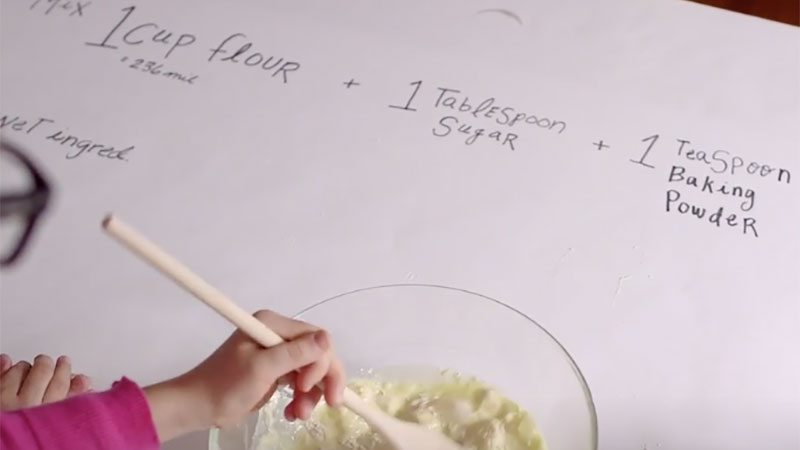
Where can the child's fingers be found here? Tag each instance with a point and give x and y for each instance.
(293, 355)
(302, 405)
(288, 412)
(79, 384)
(5, 363)
(286, 328)
(13, 378)
(11, 381)
(59, 385)
(290, 379)
(313, 373)
(287, 380)
(335, 382)
(35, 384)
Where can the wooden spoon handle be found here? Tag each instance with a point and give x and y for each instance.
(220, 303)
(190, 281)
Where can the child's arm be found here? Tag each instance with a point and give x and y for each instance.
(240, 376)
(234, 381)
(118, 418)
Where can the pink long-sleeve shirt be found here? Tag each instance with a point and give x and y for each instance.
(117, 419)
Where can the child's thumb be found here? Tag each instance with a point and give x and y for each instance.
(300, 352)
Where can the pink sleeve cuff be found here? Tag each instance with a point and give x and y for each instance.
(115, 419)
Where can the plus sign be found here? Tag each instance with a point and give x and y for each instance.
(600, 145)
(351, 83)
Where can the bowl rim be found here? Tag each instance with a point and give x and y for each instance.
(587, 393)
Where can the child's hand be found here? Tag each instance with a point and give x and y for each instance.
(25, 385)
(240, 376)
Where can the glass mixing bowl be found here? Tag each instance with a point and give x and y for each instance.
(390, 327)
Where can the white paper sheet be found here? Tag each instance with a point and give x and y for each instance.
(284, 192)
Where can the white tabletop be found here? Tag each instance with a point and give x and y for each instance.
(285, 187)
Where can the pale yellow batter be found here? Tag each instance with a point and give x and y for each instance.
(465, 409)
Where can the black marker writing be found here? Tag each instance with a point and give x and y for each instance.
(675, 205)
(708, 185)
(234, 49)
(652, 140)
(501, 115)
(87, 146)
(154, 68)
(146, 32)
(104, 43)
(721, 161)
(243, 55)
(75, 145)
(18, 124)
(448, 123)
(408, 107)
(74, 8)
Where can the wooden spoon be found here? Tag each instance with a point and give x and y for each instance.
(398, 434)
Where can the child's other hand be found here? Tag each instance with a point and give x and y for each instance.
(240, 376)
(25, 385)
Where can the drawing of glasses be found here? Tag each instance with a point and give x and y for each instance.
(24, 196)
